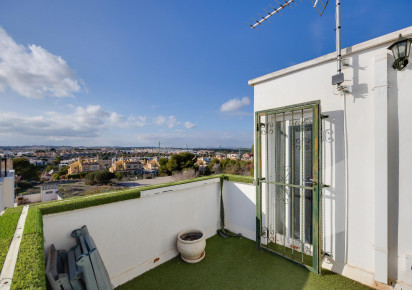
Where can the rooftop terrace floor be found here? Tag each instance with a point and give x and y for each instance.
(236, 263)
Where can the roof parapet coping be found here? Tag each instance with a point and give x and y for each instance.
(381, 40)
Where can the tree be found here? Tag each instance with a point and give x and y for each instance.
(26, 170)
(99, 177)
(188, 173)
(51, 167)
(119, 175)
(62, 172)
(178, 162)
(24, 185)
(57, 160)
(206, 171)
(163, 166)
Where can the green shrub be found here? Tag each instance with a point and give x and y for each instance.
(99, 177)
(119, 175)
(77, 175)
(23, 184)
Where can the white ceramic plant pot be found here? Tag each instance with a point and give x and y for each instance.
(191, 245)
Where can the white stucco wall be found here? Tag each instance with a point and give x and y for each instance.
(240, 208)
(1, 197)
(131, 235)
(312, 81)
(32, 198)
(8, 189)
(49, 194)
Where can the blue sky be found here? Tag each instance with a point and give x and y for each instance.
(133, 73)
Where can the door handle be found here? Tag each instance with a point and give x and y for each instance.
(310, 181)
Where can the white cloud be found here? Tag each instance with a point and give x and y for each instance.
(34, 72)
(82, 122)
(170, 121)
(139, 121)
(235, 104)
(160, 120)
(189, 125)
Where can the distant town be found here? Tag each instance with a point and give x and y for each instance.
(73, 171)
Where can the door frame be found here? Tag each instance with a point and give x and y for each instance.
(316, 171)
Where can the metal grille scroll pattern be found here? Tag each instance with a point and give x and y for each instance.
(288, 183)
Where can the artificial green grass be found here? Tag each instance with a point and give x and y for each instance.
(239, 178)
(30, 266)
(287, 252)
(8, 224)
(234, 263)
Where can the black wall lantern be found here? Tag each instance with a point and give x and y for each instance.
(401, 50)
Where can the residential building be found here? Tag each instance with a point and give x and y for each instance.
(127, 166)
(220, 156)
(247, 157)
(151, 165)
(87, 165)
(64, 163)
(203, 161)
(47, 176)
(233, 156)
(37, 162)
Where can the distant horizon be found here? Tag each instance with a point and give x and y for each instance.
(140, 147)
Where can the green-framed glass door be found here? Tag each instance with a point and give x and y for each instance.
(288, 183)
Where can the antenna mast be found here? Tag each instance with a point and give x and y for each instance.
(338, 43)
(339, 77)
(275, 10)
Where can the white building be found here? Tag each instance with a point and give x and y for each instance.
(6, 189)
(64, 163)
(37, 162)
(357, 143)
(49, 192)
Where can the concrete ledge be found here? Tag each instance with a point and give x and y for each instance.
(157, 191)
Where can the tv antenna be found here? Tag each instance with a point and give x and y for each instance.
(320, 7)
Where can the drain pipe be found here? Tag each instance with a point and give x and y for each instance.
(345, 132)
(380, 94)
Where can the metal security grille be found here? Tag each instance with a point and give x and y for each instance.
(288, 183)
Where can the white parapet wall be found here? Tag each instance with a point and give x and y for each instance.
(137, 235)
(33, 198)
(8, 189)
(240, 208)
